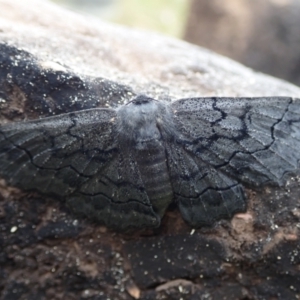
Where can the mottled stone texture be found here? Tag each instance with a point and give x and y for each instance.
(262, 34)
(52, 61)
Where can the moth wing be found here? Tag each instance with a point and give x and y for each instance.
(220, 142)
(77, 156)
(255, 140)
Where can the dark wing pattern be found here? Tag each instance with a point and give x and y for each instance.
(93, 157)
(223, 141)
(77, 156)
(203, 194)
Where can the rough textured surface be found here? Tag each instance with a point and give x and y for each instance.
(60, 60)
(262, 34)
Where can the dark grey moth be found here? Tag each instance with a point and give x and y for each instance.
(123, 167)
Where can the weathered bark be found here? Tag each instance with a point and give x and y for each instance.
(262, 34)
(52, 61)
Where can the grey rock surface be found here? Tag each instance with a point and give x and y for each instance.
(53, 61)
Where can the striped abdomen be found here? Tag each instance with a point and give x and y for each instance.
(154, 172)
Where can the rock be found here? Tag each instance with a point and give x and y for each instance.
(53, 61)
(263, 35)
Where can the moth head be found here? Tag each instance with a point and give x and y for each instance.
(141, 100)
(138, 120)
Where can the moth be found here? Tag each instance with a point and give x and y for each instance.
(123, 167)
